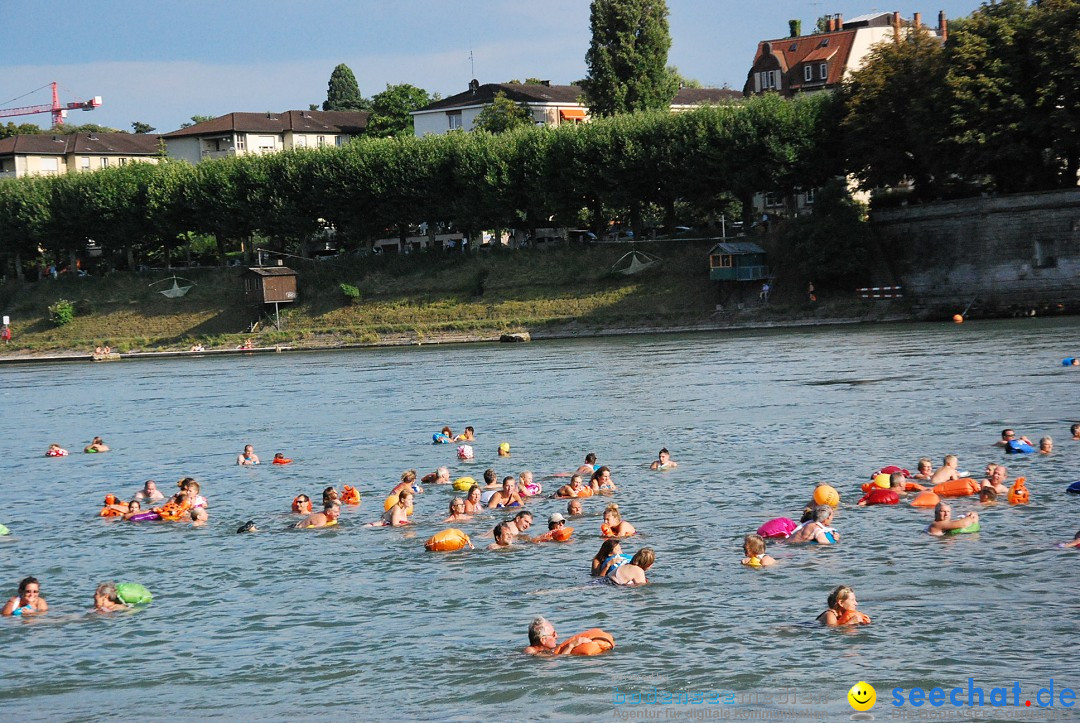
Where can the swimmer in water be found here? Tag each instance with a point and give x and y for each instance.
(134, 508)
(1009, 435)
(601, 481)
(633, 572)
(441, 476)
(999, 475)
(469, 435)
(55, 450)
(330, 497)
(607, 558)
(96, 446)
(408, 480)
(398, 514)
(575, 488)
(947, 471)
(508, 496)
(106, 599)
(491, 480)
(555, 522)
(248, 526)
(472, 501)
(149, 492)
(664, 461)
(248, 456)
(302, 504)
(28, 601)
(614, 525)
(1074, 430)
(526, 486)
(944, 522)
(327, 518)
(818, 530)
(457, 511)
(925, 469)
(842, 609)
(1046, 445)
(522, 521)
(590, 465)
(1074, 542)
(192, 488)
(502, 535)
(573, 508)
(504, 449)
(754, 549)
(543, 640)
(199, 516)
(988, 495)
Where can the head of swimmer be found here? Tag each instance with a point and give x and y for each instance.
(842, 598)
(105, 593)
(644, 558)
(1007, 434)
(523, 520)
(509, 484)
(574, 507)
(942, 512)
(542, 633)
(576, 482)
(332, 511)
(29, 588)
(502, 534)
(753, 545)
(664, 456)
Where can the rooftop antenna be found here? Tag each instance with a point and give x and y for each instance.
(472, 65)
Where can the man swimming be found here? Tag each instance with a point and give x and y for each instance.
(327, 518)
(997, 479)
(664, 461)
(944, 522)
(1009, 435)
(947, 471)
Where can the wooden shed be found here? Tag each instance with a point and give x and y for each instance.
(269, 285)
(737, 261)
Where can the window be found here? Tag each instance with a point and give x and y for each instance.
(721, 261)
(823, 71)
(104, 162)
(321, 140)
(454, 119)
(339, 141)
(240, 143)
(772, 200)
(809, 195)
(301, 141)
(85, 163)
(122, 161)
(50, 165)
(267, 143)
(808, 73)
(767, 80)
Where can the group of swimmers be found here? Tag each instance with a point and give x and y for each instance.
(108, 597)
(886, 489)
(97, 445)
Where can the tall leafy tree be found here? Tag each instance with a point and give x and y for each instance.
(390, 110)
(503, 115)
(196, 119)
(10, 129)
(627, 58)
(1056, 47)
(140, 127)
(343, 92)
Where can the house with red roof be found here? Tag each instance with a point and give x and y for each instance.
(49, 154)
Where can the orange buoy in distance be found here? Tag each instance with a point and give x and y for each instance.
(958, 318)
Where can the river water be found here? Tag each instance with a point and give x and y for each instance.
(364, 623)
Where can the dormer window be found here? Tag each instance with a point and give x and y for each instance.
(808, 73)
(766, 80)
(823, 70)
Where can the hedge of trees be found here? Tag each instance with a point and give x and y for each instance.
(573, 175)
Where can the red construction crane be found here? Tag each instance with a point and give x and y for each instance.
(58, 111)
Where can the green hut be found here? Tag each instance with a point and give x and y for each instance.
(737, 261)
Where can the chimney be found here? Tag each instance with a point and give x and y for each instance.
(917, 21)
(795, 27)
(839, 21)
(896, 26)
(942, 26)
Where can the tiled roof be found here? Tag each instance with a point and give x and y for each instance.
(791, 52)
(96, 144)
(694, 96)
(297, 121)
(737, 247)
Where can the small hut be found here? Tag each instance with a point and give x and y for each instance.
(270, 285)
(734, 264)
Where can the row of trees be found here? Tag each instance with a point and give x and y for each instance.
(995, 108)
(527, 178)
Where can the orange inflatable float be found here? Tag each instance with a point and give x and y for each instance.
(957, 488)
(301, 506)
(282, 460)
(172, 511)
(560, 535)
(853, 617)
(909, 486)
(826, 495)
(350, 495)
(601, 642)
(108, 511)
(448, 541)
(1018, 493)
(926, 498)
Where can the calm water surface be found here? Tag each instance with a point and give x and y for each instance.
(365, 623)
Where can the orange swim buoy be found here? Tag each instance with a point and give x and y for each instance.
(1018, 493)
(172, 511)
(448, 541)
(601, 643)
(926, 498)
(957, 488)
(282, 460)
(350, 495)
(910, 486)
(107, 511)
(853, 617)
(560, 535)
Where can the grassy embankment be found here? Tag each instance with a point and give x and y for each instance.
(420, 297)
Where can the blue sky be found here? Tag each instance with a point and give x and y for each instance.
(160, 63)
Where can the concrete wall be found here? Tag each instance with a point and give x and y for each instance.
(1012, 254)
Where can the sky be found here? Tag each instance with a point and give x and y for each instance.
(161, 63)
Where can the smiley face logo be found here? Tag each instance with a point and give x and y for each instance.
(862, 696)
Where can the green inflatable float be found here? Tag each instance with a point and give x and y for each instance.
(132, 593)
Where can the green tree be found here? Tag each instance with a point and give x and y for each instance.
(343, 92)
(627, 57)
(896, 115)
(197, 119)
(140, 127)
(390, 110)
(10, 129)
(67, 129)
(682, 81)
(1057, 98)
(24, 218)
(503, 115)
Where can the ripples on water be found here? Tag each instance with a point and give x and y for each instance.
(364, 622)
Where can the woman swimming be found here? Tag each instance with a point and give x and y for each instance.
(457, 511)
(609, 557)
(601, 481)
(28, 601)
(472, 501)
(614, 525)
(633, 572)
(842, 604)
